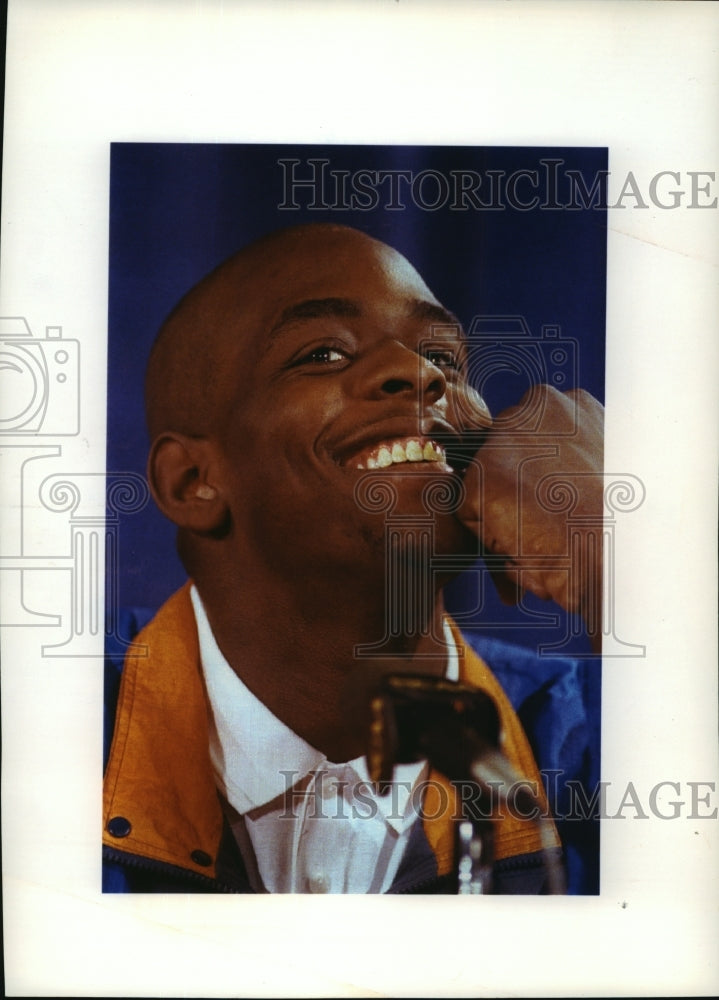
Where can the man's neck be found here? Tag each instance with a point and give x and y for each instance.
(314, 655)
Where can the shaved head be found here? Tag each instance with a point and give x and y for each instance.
(185, 388)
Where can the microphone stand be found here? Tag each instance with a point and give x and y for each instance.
(456, 728)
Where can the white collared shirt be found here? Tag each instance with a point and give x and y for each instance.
(311, 825)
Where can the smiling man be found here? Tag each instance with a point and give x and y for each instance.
(308, 365)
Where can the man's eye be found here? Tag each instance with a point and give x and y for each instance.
(324, 355)
(443, 358)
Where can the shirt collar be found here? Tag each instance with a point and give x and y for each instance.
(253, 752)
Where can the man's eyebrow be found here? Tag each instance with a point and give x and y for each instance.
(423, 310)
(316, 309)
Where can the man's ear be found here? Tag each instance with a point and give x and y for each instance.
(178, 471)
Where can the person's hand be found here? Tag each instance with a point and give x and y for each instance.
(534, 497)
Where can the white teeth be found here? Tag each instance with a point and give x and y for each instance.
(398, 452)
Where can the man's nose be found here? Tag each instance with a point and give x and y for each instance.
(394, 370)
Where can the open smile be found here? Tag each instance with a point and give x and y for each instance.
(399, 451)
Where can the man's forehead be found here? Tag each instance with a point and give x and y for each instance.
(329, 255)
(334, 265)
(332, 272)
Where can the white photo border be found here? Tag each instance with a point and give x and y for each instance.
(637, 77)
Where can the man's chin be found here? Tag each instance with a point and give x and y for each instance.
(421, 490)
(441, 541)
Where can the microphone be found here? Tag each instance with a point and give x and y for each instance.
(457, 729)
